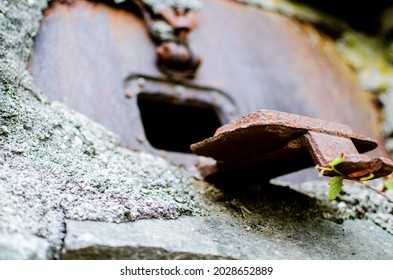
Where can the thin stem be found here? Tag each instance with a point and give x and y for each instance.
(377, 191)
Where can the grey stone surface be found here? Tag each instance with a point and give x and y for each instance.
(259, 222)
(57, 165)
(222, 238)
(23, 247)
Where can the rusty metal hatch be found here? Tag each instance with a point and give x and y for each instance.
(100, 61)
(171, 116)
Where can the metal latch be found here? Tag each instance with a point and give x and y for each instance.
(174, 56)
(266, 144)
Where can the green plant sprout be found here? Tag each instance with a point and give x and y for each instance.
(336, 182)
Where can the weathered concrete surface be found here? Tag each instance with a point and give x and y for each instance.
(56, 164)
(269, 222)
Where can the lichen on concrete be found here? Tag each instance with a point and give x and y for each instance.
(56, 163)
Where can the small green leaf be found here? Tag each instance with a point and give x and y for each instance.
(388, 184)
(335, 184)
(337, 160)
(369, 177)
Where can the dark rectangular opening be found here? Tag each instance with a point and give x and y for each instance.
(172, 125)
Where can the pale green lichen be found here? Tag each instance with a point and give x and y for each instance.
(369, 57)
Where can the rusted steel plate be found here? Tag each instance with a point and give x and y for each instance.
(265, 129)
(85, 52)
(266, 143)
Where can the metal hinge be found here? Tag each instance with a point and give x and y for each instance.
(266, 144)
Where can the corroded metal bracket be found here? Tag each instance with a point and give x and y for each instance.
(266, 144)
(174, 56)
